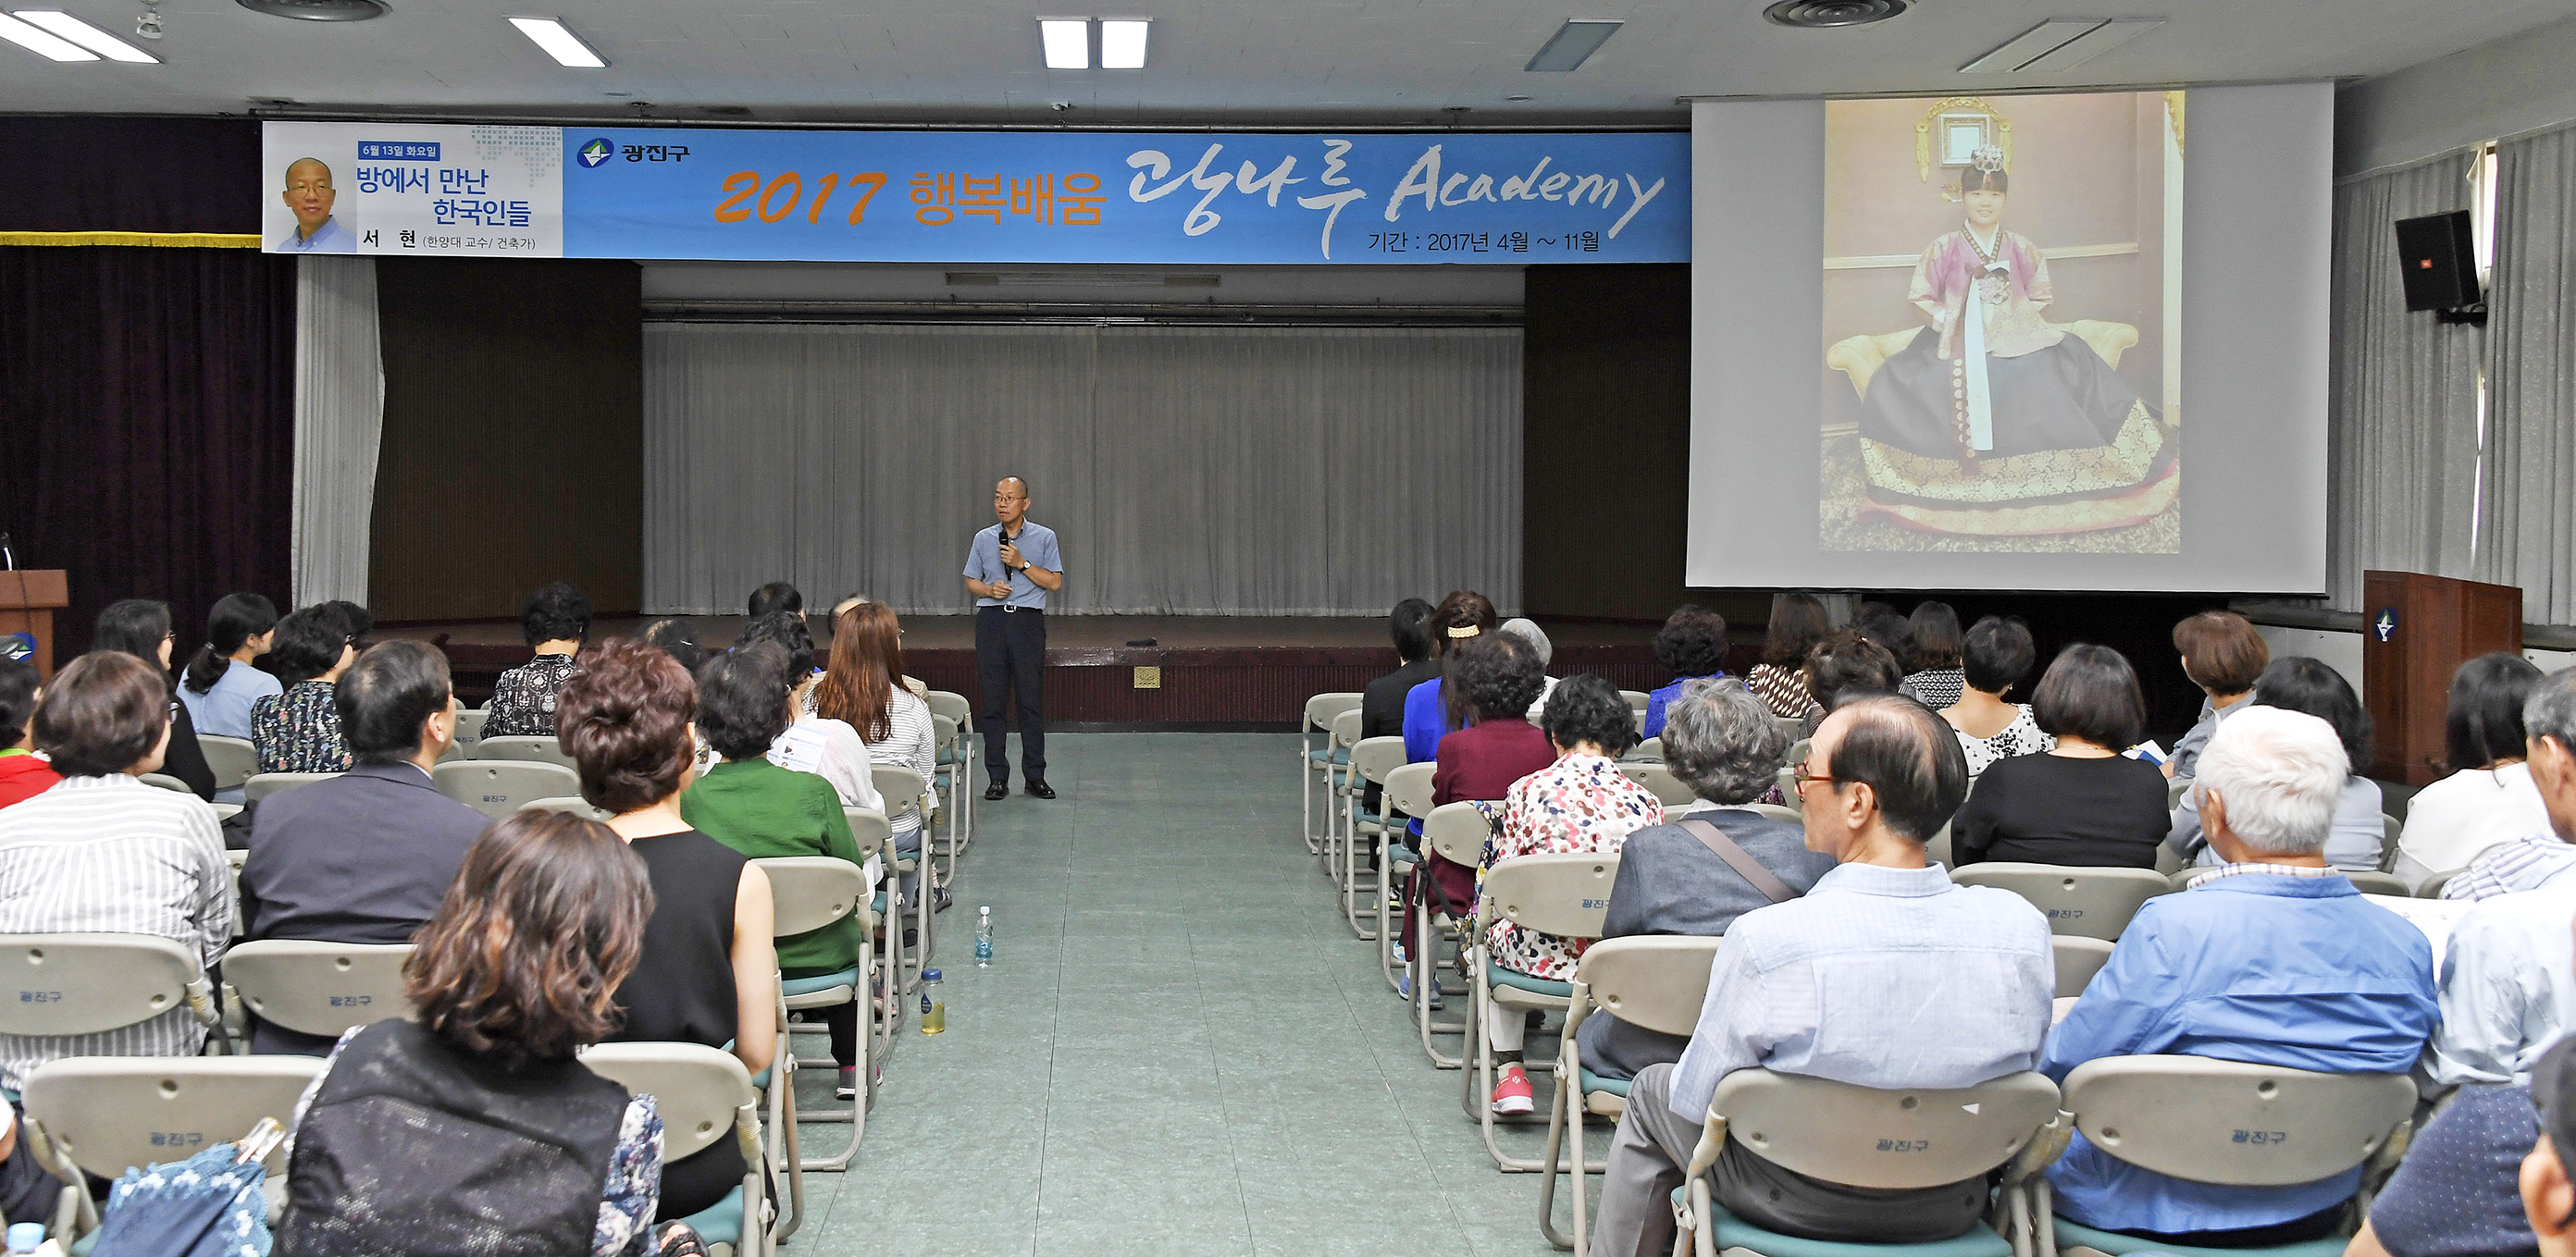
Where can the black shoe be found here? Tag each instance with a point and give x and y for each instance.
(941, 901)
(996, 791)
(911, 937)
(1039, 789)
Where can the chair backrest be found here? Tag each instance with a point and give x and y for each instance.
(469, 724)
(1651, 981)
(2389, 828)
(1374, 758)
(320, 988)
(1408, 787)
(114, 1113)
(572, 803)
(164, 781)
(1778, 813)
(871, 828)
(265, 785)
(2433, 885)
(703, 1094)
(2174, 790)
(1650, 751)
(2078, 959)
(542, 749)
(954, 706)
(1559, 893)
(1458, 832)
(813, 891)
(1884, 1139)
(2086, 902)
(1637, 701)
(897, 785)
(232, 759)
(2213, 1121)
(1938, 850)
(943, 730)
(1323, 708)
(1346, 728)
(1660, 781)
(1794, 726)
(2375, 883)
(89, 983)
(496, 787)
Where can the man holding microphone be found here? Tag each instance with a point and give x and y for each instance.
(1011, 569)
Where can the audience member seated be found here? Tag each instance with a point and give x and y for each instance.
(2082, 803)
(1995, 655)
(507, 1143)
(919, 688)
(1580, 805)
(762, 810)
(1798, 622)
(298, 729)
(2456, 1193)
(2542, 859)
(678, 638)
(828, 748)
(23, 773)
(2274, 939)
(2224, 655)
(1845, 667)
(863, 688)
(1382, 700)
(221, 683)
(776, 596)
(556, 621)
(1490, 683)
(708, 973)
(27, 1192)
(1885, 975)
(1938, 679)
(1692, 646)
(1535, 638)
(367, 856)
(1723, 743)
(1881, 624)
(2548, 1179)
(141, 627)
(2489, 799)
(2302, 684)
(1428, 714)
(102, 853)
(355, 622)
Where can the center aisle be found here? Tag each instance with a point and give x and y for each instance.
(1180, 1048)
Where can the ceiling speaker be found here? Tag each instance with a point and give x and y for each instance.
(318, 10)
(1821, 14)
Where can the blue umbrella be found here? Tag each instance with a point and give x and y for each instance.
(209, 1205)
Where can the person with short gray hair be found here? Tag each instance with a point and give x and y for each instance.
(1536, 639)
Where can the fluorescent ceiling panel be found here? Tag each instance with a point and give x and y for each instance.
(1573, 44)
(559, 42)
(42, 43)
(1122, 43)
(1068, 42)
(2031, 45)
(2093, 43)
(87, 36)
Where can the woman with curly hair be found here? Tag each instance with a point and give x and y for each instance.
(1692, 646)
(1497, 676)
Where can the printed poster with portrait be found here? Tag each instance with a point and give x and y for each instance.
(486, 191)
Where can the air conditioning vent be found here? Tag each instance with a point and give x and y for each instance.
(1824, 14)
(318, 10)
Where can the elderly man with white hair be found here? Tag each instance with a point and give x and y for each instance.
(2272, 958)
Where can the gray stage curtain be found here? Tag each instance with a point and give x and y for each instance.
(339, 420)
(2402, 408)
(1186, 470)
(2527, 535)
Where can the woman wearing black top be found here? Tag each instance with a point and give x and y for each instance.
(141, 627)
(2084, 803)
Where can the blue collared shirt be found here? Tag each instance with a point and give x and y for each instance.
(1657, 700)
(1037, 549)
(2508, 986)
(2299, 972)
(331, 238)
(1930, 983)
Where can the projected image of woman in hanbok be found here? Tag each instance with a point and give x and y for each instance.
(1993, 421)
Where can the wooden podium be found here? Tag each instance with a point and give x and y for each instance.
(2415, 632)
(28, 601)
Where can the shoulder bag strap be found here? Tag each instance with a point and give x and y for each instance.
(1745, 866)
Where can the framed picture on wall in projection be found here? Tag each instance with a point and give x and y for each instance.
(2001, 293)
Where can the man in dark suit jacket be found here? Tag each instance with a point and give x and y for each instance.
(1720, 741)
(366, 856)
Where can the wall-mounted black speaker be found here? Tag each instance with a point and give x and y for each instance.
(2440, 261)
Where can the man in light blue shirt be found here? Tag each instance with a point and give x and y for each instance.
(1011, 568)
(2272, 959)
(309, 194)
(1930, 984)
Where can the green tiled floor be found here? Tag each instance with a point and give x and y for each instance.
(1179, 1049)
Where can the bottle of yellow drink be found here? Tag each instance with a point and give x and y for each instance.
(934, 1011)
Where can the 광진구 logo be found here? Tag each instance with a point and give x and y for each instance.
(597, 153)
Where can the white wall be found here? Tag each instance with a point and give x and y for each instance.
(2516, 84)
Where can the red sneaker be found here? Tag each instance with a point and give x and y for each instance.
(1512, 1095)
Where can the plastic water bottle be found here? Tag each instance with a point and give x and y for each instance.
(934, 1011)
(984, 938)
(26, 1237)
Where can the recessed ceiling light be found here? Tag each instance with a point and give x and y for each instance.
(87, 36)
(1516, 98)
(1067, 41)
(41, 43)
(1573, 44)
(559, 42)
(2061, 43)
(1122, 43)
(2093, 43)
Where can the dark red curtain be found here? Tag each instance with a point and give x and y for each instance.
(147, 424)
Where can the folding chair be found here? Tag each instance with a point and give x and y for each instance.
(94, 983)
(1371, 760)
(703, 1095)
(811, 892)
(496, 787)
(1637, 703)
(1341, 792)
(2212, 1121)
(543, 750)
(1938, 850)
(104, 1115)
(2078, 959)
(959, 757)
(2085, 902)
(1891, 1139)
(1650, 751)
(2174, 790)
(469, 725)
(1652, 981)
(1560, 893)
(233, 861)
(259, 786)
(1794, 726)
(2390, 828)
(572, 803)
(944, 777)
(875, 835)
(233, 759)
(2379, 884)
(2433, 885)
(1457, 831)
(1407, 794)
(320, 989)
(1667, 788)
(896, 784)
(1314, 764)
(164, 781)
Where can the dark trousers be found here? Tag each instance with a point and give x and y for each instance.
(1010, 652)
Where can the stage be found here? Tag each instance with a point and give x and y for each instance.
(1228, 673)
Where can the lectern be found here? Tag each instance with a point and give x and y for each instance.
(28, 601)
(2416, 630)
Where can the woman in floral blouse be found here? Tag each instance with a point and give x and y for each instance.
(556, 621)
(298, 731)
(1581, 804)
